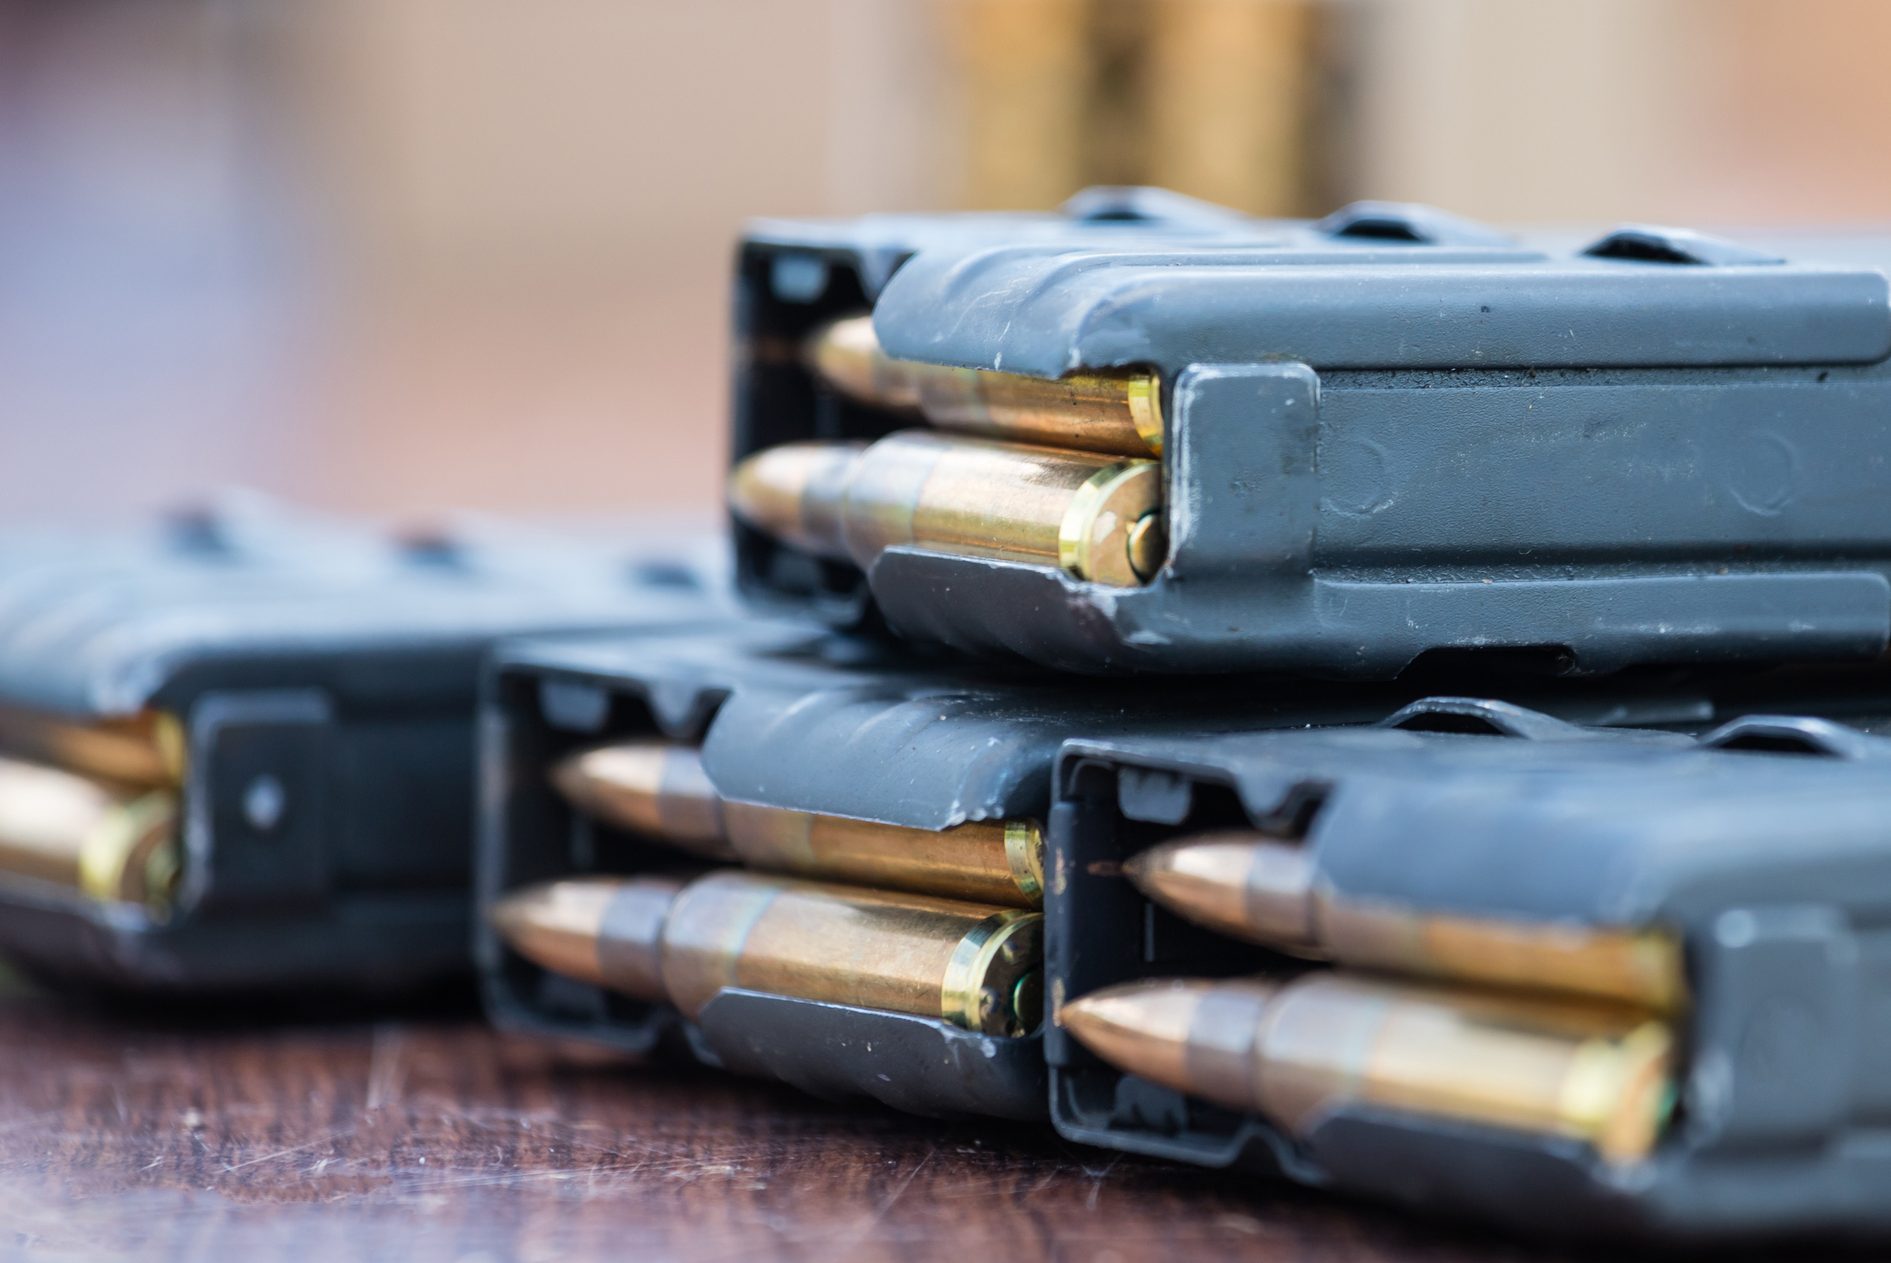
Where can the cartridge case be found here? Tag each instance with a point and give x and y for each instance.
(74, 832)
(659, 939)
(1097, 517)
(145, 750)
(660, 790)
(1119, 413)
(1296, 1050)
(995, 861)
(974, 965)
(1267, 891)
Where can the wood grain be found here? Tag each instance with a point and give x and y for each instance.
(438, 1139)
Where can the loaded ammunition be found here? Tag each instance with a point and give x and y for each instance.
(117, 845)
(853, 757)
(1351, 411)
(1513, 820)
(1296, 1050)
(145, 750)
(1098, 517)
(660, 790)
(974, 965)
(1117, 413)
(1266, 891)
(261, 725)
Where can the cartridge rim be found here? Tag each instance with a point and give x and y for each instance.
(132, 858)
(1621, 1093)
(172, 744)
(1113, 523)
(1024, 854)
(1142, 392)
(985, 981)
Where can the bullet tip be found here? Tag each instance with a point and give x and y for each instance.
(846, 355)
(652, 788)
(1141, 1028)
(625, 778)
(569, 777)
(509, 916)
(556, 925)
(1239, 883)
(793, 492)
(1163, 873)
(1142, 867)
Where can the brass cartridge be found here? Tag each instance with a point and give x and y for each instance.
(974, 965)
(1097, 517)
(1117, 413)
(1296, 1050)
(144, 750)
(660, 790)
(71, 831)
(984, 861)
(1266, 891)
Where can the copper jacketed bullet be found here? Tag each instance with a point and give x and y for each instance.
(975, 965)
(1097, 517)
(1115, 412)
(654, 788)
(105, 842)
(1294, 1051)
(659, 790)
(604, 931)
(1266, 891)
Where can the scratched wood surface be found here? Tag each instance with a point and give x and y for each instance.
(422, 1139)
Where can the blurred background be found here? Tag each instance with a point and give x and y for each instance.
(408, 255)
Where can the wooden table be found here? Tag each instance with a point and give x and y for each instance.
(437, 1138)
